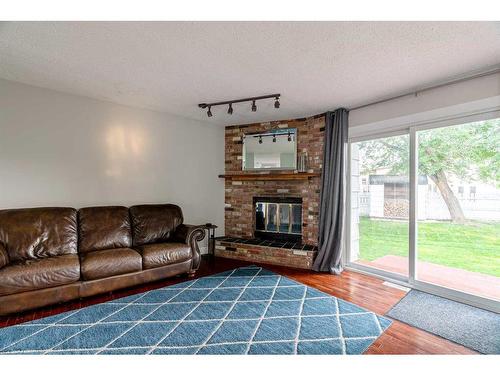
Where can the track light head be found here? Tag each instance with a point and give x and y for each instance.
(289, 137)
(230, 109)
(260, 139)
(209, 112)
(277, 102)
(274, 138)
(254, 107)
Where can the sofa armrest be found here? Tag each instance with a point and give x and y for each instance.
(190, 235)
(4, 256)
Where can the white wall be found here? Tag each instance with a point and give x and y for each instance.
(465, 97)
(65, 150)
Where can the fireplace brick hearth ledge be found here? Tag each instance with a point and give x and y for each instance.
(240, 191)
(290, 254)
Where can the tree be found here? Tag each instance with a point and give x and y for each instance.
(470, 152)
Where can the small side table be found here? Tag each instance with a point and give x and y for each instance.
(211, 238)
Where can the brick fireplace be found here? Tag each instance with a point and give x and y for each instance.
(242, 188)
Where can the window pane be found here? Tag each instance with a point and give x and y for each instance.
(459, 208)
(380, 203)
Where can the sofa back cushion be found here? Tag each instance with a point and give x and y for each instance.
(104, 228)
(154, 223)
(4, 256)
(36, 233)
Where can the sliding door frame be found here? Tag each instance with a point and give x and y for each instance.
(412, 280)
(413, 229)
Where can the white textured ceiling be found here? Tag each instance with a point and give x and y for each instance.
(173, 66)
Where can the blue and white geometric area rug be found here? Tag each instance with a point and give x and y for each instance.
(248, 310)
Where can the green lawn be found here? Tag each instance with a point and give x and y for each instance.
(474, 247)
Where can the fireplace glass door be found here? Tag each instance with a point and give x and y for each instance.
(284, 218)
(278, 218)
(272, 217)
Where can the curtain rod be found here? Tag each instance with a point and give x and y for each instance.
(431, 87)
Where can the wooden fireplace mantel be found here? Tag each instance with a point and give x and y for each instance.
(270, 176)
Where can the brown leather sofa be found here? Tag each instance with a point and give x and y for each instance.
(52, 255)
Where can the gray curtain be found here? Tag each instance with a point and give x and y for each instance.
(333, 193)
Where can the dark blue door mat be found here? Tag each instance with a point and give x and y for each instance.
(466, 325)
(248, 310)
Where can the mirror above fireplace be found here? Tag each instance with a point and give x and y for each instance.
(275, 150)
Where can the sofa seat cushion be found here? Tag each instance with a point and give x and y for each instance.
(163, 254)
(105, 263)
(39, 274)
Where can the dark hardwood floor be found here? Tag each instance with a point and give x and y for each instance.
(366, 291)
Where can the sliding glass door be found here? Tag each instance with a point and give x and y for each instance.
(380, 203)
(425, 209)
(458, 243)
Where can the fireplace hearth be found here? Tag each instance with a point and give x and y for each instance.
(291, 254)
(278, 218)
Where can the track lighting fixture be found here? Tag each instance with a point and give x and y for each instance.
(275, 135)
(231, 102)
